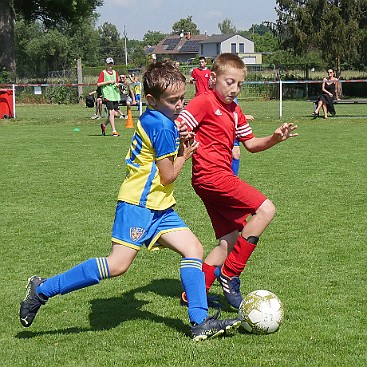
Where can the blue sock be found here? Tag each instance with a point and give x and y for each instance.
(88, 273)
(193, 282)
(235, 166)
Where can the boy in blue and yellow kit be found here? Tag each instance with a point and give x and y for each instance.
(144, 213)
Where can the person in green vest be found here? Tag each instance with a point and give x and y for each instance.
(108, 80)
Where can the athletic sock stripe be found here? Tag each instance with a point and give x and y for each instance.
(102, 267)
(191, 263)
(105, 267)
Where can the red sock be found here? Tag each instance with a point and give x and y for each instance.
(209, 275)
(237, 259)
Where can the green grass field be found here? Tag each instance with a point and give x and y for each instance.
(58, 195)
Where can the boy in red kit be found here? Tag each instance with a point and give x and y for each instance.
(200, 76)
(217, 120)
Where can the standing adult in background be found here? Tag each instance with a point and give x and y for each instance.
(108, 81)
(329, 94)
(200, 77)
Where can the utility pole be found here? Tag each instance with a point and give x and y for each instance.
(80, 78)
(125, 46)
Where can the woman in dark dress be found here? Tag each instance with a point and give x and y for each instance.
(329, 94)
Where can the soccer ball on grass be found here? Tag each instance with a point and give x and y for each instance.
(261, 312)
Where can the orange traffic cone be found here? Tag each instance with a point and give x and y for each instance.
(129, 121)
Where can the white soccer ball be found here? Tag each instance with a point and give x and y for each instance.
(261, 312)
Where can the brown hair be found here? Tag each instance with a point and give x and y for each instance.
(227, 60)
(159, 76)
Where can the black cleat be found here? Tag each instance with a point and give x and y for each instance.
(212, 327)
(230, 286)
(32, 301)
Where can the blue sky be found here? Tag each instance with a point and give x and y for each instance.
(141, 16)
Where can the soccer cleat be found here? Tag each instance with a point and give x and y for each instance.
(230, 286)
(115, 133)
(103, 128)
(32, 301)
(212, 327)
(213, 301)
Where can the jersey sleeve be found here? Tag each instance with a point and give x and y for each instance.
(243, 129)
(101, 77)
(193, 113)
(165, 144)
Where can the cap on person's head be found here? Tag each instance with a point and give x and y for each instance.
(109, 60)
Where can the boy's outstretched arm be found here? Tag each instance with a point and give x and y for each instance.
(282, 133)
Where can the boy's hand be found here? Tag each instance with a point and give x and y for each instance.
(184, 133)
(188, 148)
(285, 131)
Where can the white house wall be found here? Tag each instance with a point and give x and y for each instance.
(214, 49)
(249, 45)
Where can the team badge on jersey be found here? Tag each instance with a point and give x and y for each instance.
(136, 233)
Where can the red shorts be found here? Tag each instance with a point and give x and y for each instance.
(229, 203)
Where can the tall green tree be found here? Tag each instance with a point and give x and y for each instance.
(260, 29)
(84, 42)
(111, 43)
(39, 52)
(335, 27)
(152, 38)
(7, 29)
(185, 26)
(54, 14)
(226, 27)
(267, 42)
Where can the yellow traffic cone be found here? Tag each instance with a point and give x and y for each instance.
(129, 121)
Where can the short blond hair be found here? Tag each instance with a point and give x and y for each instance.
(227, 60)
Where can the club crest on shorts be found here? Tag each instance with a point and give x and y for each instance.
(136, 233)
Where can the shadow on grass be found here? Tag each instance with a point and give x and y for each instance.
(336, 117)
(108, 313)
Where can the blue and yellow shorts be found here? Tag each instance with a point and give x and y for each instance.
(135, 226)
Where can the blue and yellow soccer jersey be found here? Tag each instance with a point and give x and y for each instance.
(156, 137)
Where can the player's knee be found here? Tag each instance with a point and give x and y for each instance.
(267, 210)
(199, 249)
(196, 250)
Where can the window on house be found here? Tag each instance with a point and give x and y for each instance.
(218, 48)
(241, 48)
(233, 48)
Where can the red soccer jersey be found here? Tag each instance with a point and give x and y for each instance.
(201, 77)
(216, 126)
